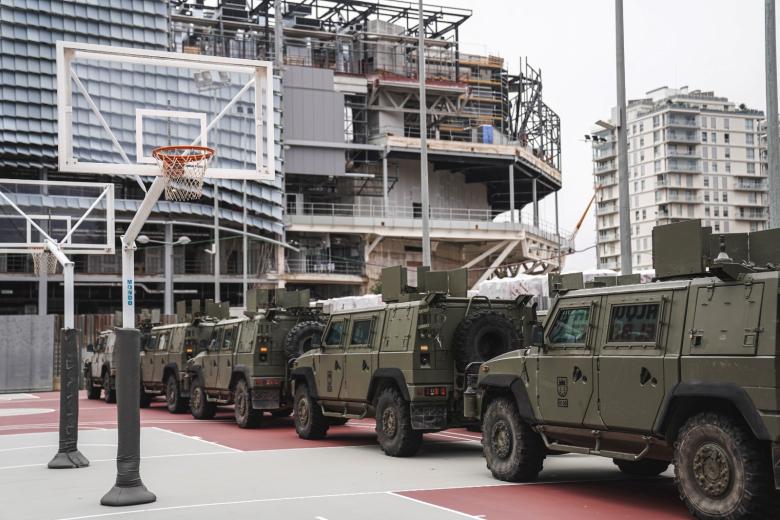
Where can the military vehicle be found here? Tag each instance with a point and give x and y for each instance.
(99, 369)
(404, 363)
(166, 352)
(247, 359)
(683, 370)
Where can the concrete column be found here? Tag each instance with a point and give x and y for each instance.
(217, 273)
(424, 195)
(535, 201)
(625, 203)
(245, 249)
(558, 232)
(168, 292)
(43, 294)
(385, 194)
(513, 218)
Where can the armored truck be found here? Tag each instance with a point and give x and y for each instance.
(683, 370)
(99, 369)
(246, 362)
(164, 356)
(404, 362)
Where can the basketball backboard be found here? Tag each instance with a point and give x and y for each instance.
(116, 104)
(77, 216)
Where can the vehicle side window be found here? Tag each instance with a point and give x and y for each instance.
(101, 344)
(248, 333)
(176, 340)
(335, 333)
(152, 345)
(635, 323)
(228, 337)
(361, 332)
(162, 342)
(216, 339)
(570, 326)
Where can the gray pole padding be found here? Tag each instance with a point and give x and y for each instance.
(68, 455)
(128, 490)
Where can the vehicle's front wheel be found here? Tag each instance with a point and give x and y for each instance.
(721, 470)
(513, 451)
(109, 393)
(173, 399)
(309, 421)
(199, 405)
(394, 425)
(642, 468)
(93, 392)
(246, 416)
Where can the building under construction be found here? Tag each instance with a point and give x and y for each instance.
(350, 200)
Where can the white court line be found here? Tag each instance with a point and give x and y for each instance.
(442, 508)
(18, 397)
(194, 438)
(53, 446)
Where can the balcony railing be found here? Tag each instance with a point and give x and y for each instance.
(751, 186)
(440, 217)
(325, 266)
(688, 122)
(605, 166)
(682, 137)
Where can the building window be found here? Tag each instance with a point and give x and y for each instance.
(712, 123)
(656, 121)
(749, 139)
(726, 122)
(726, 212)
(657, 165)
(706, 196)
(636, 187)
(704, 137)
(714, 167)
(716, 227)
(706, 208)
(656, 136)
(641, 127)
(641, 141)
(748, 124)
(751, 168)
(644, 216)
(714, 153)
(726, 226)
(728, 167)
(641, 156)
(726, 137)
(638, 259)
(706, 181)
(643, 185)
(716, 212)
(633, 130)
(713, 137)
(727, 153)
(750, 154)
(636, 215)
(706, 166)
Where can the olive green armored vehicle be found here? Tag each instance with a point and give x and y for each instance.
(247, 359)
(167, 349)
(404, 363)
(99, 369)
(684, 371)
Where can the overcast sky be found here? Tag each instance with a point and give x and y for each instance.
(705, 44)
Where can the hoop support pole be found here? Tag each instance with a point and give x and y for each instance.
(68, 283)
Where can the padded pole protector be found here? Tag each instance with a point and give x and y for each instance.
(68, 455)
(128, 490)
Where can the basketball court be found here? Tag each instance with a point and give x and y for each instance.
(199, 469)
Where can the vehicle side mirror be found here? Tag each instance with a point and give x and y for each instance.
(537, 335)
(90, 347)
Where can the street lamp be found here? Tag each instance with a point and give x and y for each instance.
(168, 243)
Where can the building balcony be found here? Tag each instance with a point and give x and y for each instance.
(611, 236)
(756, 185)
(345, 271)
(681, 120)
(604, 151)
(606, 209)
(607, 180)
(672, 136)
(751, 214)
(685, 154)
(406, 222)
(608, 166)
(683, 167)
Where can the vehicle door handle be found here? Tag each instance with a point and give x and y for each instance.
(336, 366)
(365, 365)
(577, 375)
(215, 362)
(228, 362)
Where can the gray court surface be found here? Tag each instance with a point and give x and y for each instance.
(198, 479)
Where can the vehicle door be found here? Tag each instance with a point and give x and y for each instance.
(360, 356)
(160, 355)
(630, 360)
(329, 364)
(98, 356)
(147, 355)
(245, 351)
(226, 352)
(176, 348)
(565, 366)
(211, 360)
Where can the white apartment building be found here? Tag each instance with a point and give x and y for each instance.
(691, 154)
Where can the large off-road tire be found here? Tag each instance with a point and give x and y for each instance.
(513, 451)
(642, 468)
(93, 392)
(109, 393)
(299, 339)
(246, 416)
(309, 421)
(173, 399)
(483, 335)
(721, 470)
(200, 407)
(394, 425)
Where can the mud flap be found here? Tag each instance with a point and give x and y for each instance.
(426, 416)
(776, 463)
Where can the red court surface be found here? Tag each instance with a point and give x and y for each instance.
(572, 486)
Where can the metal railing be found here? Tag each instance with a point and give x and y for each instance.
(438, 216)
(325, 266)
(682, 137)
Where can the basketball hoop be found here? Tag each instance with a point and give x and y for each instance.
(183, 167)
(44, 261)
